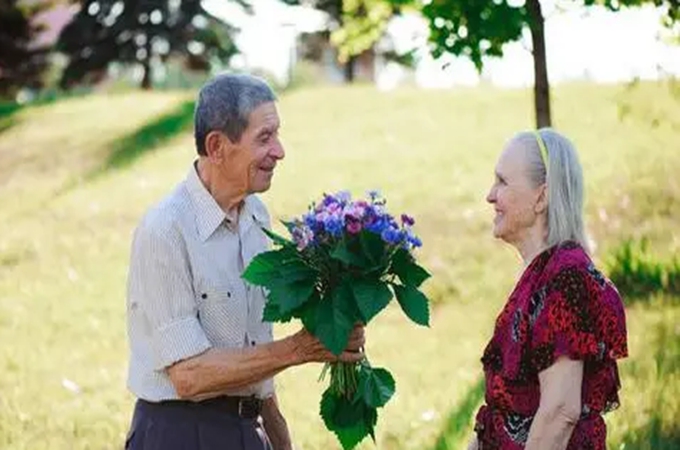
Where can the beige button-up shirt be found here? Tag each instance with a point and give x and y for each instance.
(185, 291)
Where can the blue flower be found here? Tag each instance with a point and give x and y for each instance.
(334, 226)
(415, 241)
(391, 235)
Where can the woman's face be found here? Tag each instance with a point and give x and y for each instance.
(514, 197)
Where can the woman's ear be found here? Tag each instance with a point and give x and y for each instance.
(542, 201)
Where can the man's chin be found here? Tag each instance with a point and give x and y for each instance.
(262, 186)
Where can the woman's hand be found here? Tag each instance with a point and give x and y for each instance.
(474, 444)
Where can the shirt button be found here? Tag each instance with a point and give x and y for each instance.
(228, 294)
(204, 296)
(252, 343)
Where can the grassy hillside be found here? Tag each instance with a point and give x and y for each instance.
(76, 176)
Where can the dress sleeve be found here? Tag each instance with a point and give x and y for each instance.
(562, 320)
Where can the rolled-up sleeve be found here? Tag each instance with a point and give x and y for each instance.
(161, 289)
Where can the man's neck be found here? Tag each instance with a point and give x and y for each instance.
(227, 197)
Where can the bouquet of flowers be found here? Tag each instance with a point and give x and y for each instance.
(344, 262)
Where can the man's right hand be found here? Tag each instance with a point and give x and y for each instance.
(312, 350)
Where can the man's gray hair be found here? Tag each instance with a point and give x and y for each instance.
(564, 178)
(225, 103)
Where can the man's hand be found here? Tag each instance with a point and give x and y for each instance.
(312, 350)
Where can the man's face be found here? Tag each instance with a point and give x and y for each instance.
(250, 162)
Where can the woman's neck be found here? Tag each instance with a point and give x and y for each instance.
(533, 245)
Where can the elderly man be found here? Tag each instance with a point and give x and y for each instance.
(201, 359)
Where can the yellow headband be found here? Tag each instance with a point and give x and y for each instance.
(544, 151)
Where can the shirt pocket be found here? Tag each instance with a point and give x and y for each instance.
(222, 313)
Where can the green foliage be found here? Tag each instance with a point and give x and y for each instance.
(354, 417)
(413, 303)
(480, 29)
(359, 25)
(133, 32)
(21, 64)
(332, 283)
(349, 285)
(363, 23)
(371, 298)
(336, 316)
(376, 386)
(638, 274)
(472, 28)
(458, 420)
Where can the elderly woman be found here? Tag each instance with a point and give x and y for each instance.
(550, 367)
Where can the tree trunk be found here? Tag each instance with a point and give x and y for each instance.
(349, 69)
(146, 79)
(541, 84)
(146, 65)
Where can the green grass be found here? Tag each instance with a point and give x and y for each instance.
(63, 258)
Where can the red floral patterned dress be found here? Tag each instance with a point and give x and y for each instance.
(562, 305)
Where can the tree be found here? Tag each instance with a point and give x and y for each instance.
(478, 29)
(357, 24)
(141, 32)
(21, 64)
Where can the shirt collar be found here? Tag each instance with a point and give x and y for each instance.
(255, 210)
(209, 215)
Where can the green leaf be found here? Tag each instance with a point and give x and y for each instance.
(371, 297)
(335, 319)
(376, 386)
(277, 238)
(348, 419)
(343, 252)
(372, 246)
(272, 313)
(275, 267)
(370, 420)
(308, 313)
(408, 271)
(340, 412)
(414, 303)
(289, 296)
(351, 437)
(264, 267)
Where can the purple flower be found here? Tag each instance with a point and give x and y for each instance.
(355, 211)
(303, 236)
(353, 226)
(343, 196)
(407, 220)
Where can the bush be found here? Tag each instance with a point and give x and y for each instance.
(638, 274)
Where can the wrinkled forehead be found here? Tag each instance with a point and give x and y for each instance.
(265, 116)
(513, 159)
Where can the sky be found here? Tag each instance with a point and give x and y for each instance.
(592, 44)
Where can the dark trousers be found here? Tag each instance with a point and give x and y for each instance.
(192, 426)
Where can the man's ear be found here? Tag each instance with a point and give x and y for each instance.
(216, 146)
(542, 201)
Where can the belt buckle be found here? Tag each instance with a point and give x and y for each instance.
(247, 408)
